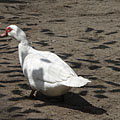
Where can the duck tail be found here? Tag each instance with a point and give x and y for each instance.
(76, 81)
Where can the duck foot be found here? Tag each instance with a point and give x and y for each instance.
(32, 94)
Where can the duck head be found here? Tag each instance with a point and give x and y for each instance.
(15, 32)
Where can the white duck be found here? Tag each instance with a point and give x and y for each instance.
(45, 71)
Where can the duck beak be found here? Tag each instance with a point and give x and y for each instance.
(3, 35)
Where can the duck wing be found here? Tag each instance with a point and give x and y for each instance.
(47, 67)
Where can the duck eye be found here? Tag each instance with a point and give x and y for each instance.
(9, 29)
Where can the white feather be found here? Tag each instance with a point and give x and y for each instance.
(45, 71)
(75, 81)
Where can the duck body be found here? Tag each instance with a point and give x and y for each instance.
(45, 71)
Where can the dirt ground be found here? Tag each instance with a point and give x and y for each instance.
(85, 34)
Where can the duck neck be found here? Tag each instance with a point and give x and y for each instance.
(23, 49)
(25, 42)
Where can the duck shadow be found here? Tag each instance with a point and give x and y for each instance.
(71, 101)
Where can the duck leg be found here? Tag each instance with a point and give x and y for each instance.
(32, 94)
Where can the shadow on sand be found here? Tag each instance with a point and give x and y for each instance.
(71, 101)
(11, 1)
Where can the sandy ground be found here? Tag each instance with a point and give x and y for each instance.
(85, 34)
